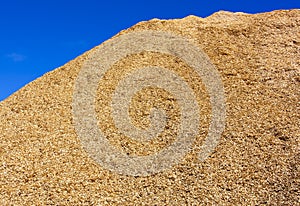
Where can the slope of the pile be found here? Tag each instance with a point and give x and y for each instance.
(256, 161)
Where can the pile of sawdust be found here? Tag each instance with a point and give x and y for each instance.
(255, 163)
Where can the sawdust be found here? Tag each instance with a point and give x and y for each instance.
(255, 163)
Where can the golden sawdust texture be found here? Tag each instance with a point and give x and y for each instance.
(147, 99)
(255, 163)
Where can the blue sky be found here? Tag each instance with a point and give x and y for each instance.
(37, 36)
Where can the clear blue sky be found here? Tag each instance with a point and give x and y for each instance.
(37, 36)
